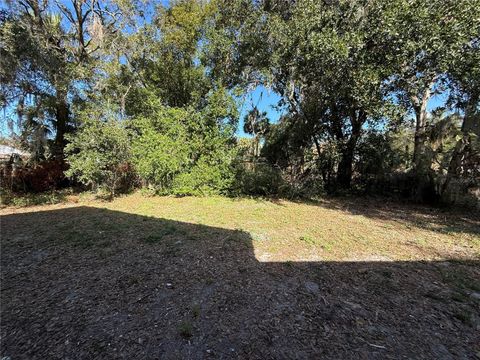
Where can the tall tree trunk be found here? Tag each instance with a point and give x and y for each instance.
(345, 167)
(420, 162)
(424, 178)
(61, 115)
(470, 125)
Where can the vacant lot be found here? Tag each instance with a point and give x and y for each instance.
(193, 278)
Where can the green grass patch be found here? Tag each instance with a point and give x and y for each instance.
(185, 329)
(459, 279)
(464, 316)
(308, 239)
(196, 310)
(158, 236)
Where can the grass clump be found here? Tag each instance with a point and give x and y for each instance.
(464, 316)
(167, 230)
(460, 279)
(196, 310)
(185, 329)
(308, 239)
(8, 198)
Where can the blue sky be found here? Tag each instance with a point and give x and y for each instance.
(437, 101)
(265, 100)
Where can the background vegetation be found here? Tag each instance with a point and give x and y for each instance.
(121, 94)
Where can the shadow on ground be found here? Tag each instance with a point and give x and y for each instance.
(88, 283)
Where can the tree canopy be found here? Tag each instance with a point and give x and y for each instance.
(104, 83)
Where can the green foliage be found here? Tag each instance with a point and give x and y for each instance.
(424, 41)
(183, 151)
(210, 175)
(259, 179)
(99, 153)
(184, 121)
(350, 70)
(308, 239)
(160, 150)
(162, 92)
(380, 154)
(48, 55)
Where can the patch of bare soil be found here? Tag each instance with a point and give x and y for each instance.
(86, 283)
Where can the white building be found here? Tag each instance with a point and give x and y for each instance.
(6, 153)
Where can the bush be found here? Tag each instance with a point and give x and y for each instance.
(204, 178)
(161, 147)
(379, 157)
(44, 176)
(259, 179)
(181, 151)
(99, 155)
(48, 175)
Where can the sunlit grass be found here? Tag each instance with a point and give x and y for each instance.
(328, 230)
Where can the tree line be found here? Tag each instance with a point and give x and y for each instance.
(145, 93)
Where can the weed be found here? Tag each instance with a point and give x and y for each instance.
(196, 310)
(157, 237)
(327, 246)
(459, 279)
(153, 239)
(464, 316)
(460, 297)
(171, 249)
(308, 239)
(185, 329)
(387, 273)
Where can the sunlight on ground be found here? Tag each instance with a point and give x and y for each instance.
(330, 230)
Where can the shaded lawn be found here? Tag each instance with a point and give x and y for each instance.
(235, 278)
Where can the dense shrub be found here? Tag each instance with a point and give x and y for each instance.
(380, 155)
(184, 152)
(160, 148)
(259, 179)
(44, 176)
(99, 155)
